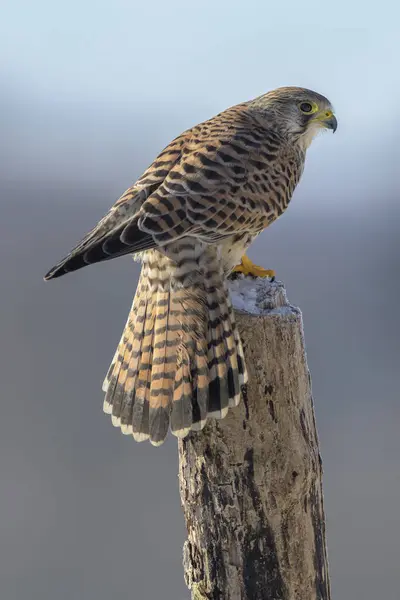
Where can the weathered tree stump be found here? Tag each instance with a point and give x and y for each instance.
(251, 484)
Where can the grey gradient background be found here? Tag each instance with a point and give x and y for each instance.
(89, 94)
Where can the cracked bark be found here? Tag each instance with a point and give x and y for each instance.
(251, 484)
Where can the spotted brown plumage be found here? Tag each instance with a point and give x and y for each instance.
(190, 217)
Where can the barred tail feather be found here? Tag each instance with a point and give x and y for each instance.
(241, 365)
(162, 369)
(179, 361)
(218, 351)
(141, 405)
(191, 379)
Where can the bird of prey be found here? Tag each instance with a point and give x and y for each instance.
(190, 218)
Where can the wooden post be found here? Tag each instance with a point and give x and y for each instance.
(251, 484)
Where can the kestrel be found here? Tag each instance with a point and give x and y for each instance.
(190, 218)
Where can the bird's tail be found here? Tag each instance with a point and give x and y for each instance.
(179, 361)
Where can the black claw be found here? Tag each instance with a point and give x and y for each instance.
(233, 275)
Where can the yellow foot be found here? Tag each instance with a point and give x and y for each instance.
(248, 268)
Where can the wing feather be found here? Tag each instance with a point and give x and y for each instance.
(193, 188)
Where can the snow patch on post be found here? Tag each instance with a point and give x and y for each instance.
(259, 296)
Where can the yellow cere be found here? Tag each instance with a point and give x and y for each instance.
(324, 115)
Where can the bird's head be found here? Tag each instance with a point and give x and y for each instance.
(298, 112)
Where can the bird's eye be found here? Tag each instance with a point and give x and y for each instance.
(306, 107)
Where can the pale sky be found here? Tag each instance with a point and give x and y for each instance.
(77, 77)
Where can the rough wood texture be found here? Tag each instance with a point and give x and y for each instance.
(251, 484)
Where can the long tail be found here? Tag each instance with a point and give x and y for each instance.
(180, 359)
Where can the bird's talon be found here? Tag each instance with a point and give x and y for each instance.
(247, 267)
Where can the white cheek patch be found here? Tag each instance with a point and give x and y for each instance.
(313, 130)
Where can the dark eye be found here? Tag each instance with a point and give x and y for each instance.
(306, 107)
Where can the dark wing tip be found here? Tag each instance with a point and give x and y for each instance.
(70, 263)
(106, 247)
(53, 273)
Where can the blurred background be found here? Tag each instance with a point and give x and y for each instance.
(90, 93)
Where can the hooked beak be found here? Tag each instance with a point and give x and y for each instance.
(327, 119)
